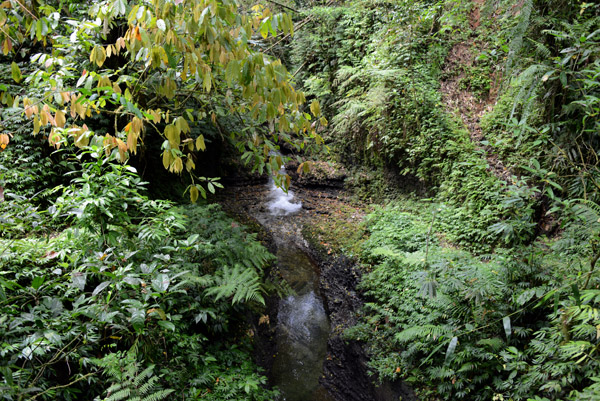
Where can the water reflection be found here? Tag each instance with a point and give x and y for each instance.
(303, 325)
(302, 331)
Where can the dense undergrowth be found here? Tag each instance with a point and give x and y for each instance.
(377, 68)
(108, 294)
(515, 324)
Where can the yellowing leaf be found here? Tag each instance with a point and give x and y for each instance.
(182, 124)
(99, 55)
(93, 55)
(44, 115)
(193, 194)
(137, 125)
(172, 134)
(207, 81)
(166, 159)
(54, 138)
(6, 46)
(176, 166)
(60, 118)
(122, 147)
(36, 125)
(4, 141)
(189, 164)
(200, 145)
(315, 108)
(132, 139)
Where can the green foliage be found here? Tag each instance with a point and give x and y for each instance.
(515, 324)
(125, 74)
(129, 273)
(545, 111)
(383, 96)
(128, 382)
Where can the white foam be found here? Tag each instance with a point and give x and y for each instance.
(282, 203)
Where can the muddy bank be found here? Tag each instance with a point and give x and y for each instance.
(345, 370)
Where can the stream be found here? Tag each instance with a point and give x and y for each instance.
(302, 349)
(303, 325)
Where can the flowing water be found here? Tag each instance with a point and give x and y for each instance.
(303, 326)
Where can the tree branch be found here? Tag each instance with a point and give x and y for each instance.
(282, 5)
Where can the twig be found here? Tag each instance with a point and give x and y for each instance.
(63, 385)
(299, 68)
(26, 9)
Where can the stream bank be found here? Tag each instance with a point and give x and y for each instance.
(342, 372)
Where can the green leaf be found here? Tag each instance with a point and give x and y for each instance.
(16, 72)
(161, 282)
(138, 318)
(166, 325)
(451, 347)
(37, 282)
(507, 326)
(78, 280)
(100, 287)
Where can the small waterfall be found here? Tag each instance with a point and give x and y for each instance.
(282, 203)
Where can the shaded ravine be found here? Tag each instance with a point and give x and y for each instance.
(301, 344)
(302, 324)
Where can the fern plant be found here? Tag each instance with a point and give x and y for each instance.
(241, 284)
(129, 383)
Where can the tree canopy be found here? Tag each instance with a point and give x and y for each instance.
(154, 68)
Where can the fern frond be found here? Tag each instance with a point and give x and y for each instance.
(148, 386)
(142, 376)
(158, 396)
(418, 332)
(131, 384)
(541, 50)
(119, 395)
(238, 283)
(519, 31)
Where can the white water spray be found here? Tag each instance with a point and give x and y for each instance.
(282, 203)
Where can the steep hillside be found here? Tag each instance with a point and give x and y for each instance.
(487, 288)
